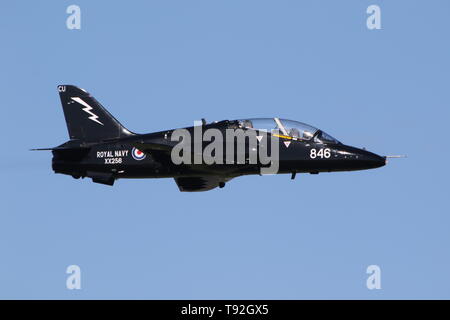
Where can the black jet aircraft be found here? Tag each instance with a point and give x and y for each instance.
(102, 149)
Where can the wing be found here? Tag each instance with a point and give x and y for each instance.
(158, 151)
(186, 184)
(205, 183)
(149, 147)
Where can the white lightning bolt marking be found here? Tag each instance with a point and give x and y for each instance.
(87, 109)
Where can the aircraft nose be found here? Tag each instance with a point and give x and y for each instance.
(372, 160)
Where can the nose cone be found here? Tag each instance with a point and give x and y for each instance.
(351, 158)
(371, 160)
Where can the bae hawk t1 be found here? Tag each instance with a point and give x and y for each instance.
(102, 149)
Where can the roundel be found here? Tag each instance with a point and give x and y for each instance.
(137, 154)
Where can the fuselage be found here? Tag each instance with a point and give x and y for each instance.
(199, 158)
(122, 159)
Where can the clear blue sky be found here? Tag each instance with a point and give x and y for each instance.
(164, 64)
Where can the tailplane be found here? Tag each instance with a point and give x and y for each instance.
(87, 120)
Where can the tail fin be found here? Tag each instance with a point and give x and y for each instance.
(86, 118)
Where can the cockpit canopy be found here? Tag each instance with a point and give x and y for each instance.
(291, 128)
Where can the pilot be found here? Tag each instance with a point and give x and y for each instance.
(307, 135)
(247, 124)
(294, 133)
